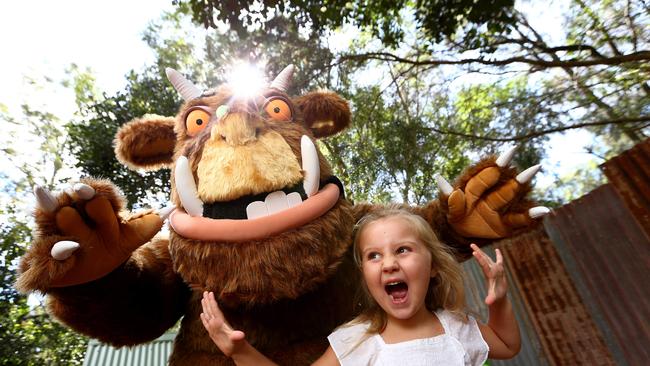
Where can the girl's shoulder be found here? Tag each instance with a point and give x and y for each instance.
(352, 343)
(351, 329)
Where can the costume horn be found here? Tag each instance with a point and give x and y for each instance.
(283, 80)
(184, 87)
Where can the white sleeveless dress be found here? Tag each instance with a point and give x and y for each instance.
(461, 344)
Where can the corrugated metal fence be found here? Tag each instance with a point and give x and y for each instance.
(154, 353)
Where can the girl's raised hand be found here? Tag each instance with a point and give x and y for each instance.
(228, 340)
(494, 273)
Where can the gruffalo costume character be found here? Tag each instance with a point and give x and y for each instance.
(259, 219)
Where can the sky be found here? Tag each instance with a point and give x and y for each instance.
(40, 38)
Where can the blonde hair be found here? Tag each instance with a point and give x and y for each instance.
(445, 289)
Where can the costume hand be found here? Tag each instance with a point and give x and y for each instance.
(81, 236)
(228, 340)
(481, 206)
(494, 273)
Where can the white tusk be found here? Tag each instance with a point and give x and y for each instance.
(504, 159)
(184, 87)
(310, 165)
(63, 250)
(528, 174)
(283, 80)
(45, 200)
(84, 191)
(186, 188)
(443, 185)
(539, 211)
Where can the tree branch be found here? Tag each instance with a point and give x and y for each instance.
(614, 60)
(534, 134)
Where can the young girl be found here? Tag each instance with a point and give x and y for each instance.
(414, 301)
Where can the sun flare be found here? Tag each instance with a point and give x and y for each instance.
(246, 79)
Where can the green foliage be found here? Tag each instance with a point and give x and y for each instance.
(28, 336)
(91, 140)
(383, 19)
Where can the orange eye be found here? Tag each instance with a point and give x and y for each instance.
(278, 110)
(196, 121)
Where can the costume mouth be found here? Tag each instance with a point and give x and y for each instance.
(397, 291)
(253, 217)
(262, 204)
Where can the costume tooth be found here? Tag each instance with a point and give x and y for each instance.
(186, 188)
(294, 199)
(256, 209)
(276, 202)
(310, 166)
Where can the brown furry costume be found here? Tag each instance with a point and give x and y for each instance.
(288, 290)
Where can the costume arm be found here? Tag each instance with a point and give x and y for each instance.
(135, 303)
(102, 272)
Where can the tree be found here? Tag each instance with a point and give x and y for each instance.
(383, 19)
(28, 336)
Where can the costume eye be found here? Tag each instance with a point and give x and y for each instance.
(196, 121)
(278, 110)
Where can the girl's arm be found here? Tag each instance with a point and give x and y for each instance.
(233, 342)
(502, 331)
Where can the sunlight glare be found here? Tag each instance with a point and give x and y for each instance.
(246, 79)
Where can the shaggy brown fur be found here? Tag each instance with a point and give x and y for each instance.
(287, 292)
(317, 110)
(147, 145)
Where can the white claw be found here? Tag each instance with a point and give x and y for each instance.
(63, 250)
(165, 211)
(84, 191)
(539, 211)
(443, 185)
(310, 165)
(45, 200)
(186, 188)
(528, 174)
(504, 159)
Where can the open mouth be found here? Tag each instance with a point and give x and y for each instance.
(263, 204)
(397, 291)
(254, 216)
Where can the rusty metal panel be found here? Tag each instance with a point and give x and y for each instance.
(629, 173)
(566, 331)
(607, 254)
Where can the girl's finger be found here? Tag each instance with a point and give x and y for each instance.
(214, 306)
(205, 303)
(205, 322)
(499, 257)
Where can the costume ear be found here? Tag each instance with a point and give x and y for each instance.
(146, 143)
(325, 113)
